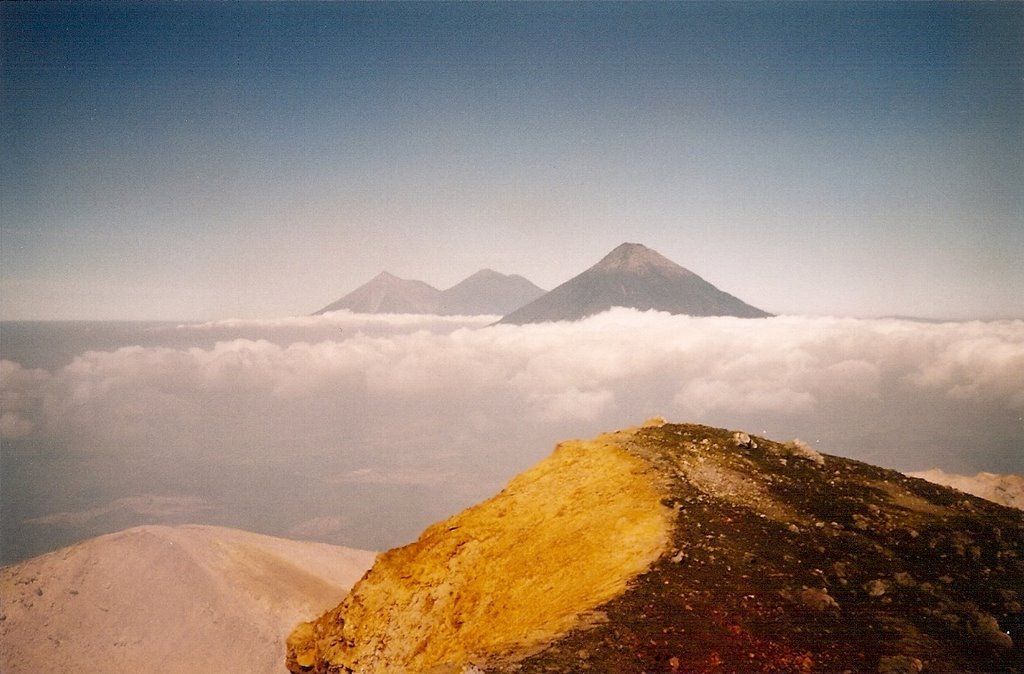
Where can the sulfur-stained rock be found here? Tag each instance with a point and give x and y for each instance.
(504, 577)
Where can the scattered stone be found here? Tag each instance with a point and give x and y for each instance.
(801, 450)
(985, 626)
(818, 600)
(904, 579)
(899, 664)
(876, 588)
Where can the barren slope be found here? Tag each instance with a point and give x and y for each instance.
(186, 600)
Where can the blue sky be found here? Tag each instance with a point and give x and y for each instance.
(212, 160)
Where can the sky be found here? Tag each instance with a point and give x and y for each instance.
(256, 160)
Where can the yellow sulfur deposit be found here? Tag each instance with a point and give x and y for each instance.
(504, 576)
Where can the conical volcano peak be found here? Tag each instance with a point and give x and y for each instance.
(386, 277)
(637, 258)
(632, 276)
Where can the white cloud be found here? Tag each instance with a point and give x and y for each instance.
(407, 386)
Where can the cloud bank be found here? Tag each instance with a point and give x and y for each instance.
(410, 380)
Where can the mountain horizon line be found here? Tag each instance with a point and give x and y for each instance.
(631, 275)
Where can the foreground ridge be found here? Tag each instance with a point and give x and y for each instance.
(683, 548)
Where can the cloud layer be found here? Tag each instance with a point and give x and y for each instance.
(261, 394)
(383, 424)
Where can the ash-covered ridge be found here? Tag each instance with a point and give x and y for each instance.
(754, 556)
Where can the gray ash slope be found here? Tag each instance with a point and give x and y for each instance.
(637, 277)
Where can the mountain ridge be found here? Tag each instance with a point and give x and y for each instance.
(485, 292)
(633, 276)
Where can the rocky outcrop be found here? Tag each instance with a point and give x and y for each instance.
(681, 548)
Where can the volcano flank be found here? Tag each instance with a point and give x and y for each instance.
(633, 276)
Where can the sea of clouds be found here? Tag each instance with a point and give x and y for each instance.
(449, 408)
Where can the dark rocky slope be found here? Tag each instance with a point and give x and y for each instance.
(773, 558)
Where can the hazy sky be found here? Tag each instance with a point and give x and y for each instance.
(212, 160)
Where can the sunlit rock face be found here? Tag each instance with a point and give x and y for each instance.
(504, 577)
(683, 548)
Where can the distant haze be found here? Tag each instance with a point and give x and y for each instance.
(360, 430)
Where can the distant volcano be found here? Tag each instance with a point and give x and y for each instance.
(488, 292)
(637, 277)
(388, 294)
(485, 292)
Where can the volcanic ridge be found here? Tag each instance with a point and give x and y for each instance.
(486, 292)
(684, 548)
(631, 276)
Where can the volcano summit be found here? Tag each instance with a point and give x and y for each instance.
(683, 548)
(633, 276)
